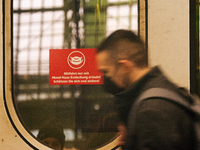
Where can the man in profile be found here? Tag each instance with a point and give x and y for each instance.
(158, 124)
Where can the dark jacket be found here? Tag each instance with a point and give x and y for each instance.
(158, 124)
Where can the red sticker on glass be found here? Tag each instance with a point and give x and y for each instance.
(73, 67)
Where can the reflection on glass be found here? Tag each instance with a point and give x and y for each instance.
(85, 112)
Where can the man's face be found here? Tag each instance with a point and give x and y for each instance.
(115, 73)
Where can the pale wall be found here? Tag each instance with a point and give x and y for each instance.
(168, 38)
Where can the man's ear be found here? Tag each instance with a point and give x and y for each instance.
(128, 65)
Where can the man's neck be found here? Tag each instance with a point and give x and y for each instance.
(138, 73)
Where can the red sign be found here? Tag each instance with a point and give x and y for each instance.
(73, 66)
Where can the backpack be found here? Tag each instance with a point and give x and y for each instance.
(180, 99)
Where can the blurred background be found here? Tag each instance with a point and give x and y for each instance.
(85, 111)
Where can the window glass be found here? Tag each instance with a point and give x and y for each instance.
(86, 112)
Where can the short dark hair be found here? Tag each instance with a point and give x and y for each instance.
(125, 44)
(52, 129)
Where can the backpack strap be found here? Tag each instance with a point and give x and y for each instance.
(170, 96)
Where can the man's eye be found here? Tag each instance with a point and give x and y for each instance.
(104, 72)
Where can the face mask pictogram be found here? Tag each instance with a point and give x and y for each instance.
(76, 59)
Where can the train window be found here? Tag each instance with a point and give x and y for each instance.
(85, 111)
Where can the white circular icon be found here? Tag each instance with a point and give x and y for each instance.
(76, 59)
